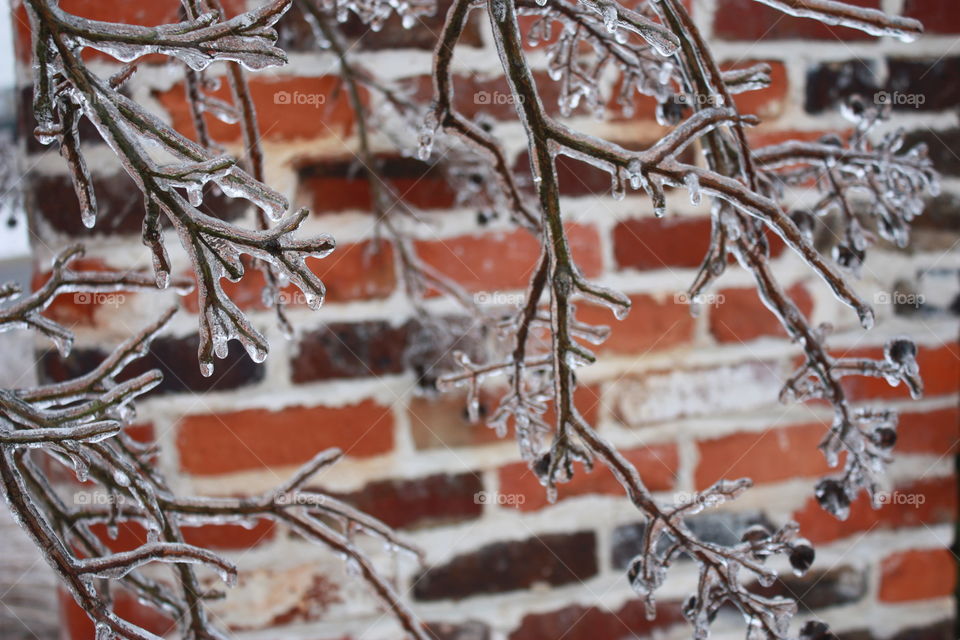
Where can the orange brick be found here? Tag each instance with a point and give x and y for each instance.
(936, 432)
(288, 108)
(657, 466)
(939, 368)
(917, 575)
(742, 316)
(258, 438)
(504, 259)
(768, 102)
(766, 456)
(939, 505)
(651, 325)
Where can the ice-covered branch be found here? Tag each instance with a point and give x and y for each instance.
(64, 85)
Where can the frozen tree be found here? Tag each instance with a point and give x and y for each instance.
(869, 187)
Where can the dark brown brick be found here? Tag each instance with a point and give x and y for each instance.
(829, 84)
(941, 145)
(819, 589)
(719, 527)
(176, 358)
(576, 622)
(296, 35)
(350, 350)
(552, 559)
(51, 198)
(933, 79)
(341, 184)
(430, 500)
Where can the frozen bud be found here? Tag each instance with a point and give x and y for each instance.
(670, 112)
(802, 556)
(805, 221)
(833, 497)
(634, 571)
(854, 108)
(755, 534)
(816, 630)
(690, 607)
(848, 257)
(541, 466)
(884, 437)
(832, 140)
(901, 351)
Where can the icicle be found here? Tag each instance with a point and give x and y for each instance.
(692, 182)
(617, 189)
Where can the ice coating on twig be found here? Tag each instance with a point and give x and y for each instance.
(67, 89)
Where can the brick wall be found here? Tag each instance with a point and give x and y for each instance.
(689, 400)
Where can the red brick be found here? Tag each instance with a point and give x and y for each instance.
(350, 350)
(652, 243)
(504, 259)
(217, 537)
(934, 432)
(576, 622)
(917, 575)
(442, 421)
(76, 625)
(335, 185)
(258, 438)
(772, 455)
(939, 506)
(939, 368)
(418, 502)
(768, 102)
(552, 559)
(653, 324)
(657, 466)
(278, 122)
(741, 316)
(937, 17)
(141, 13)
(749, 20)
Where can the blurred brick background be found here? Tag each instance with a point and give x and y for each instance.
(689, 400)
